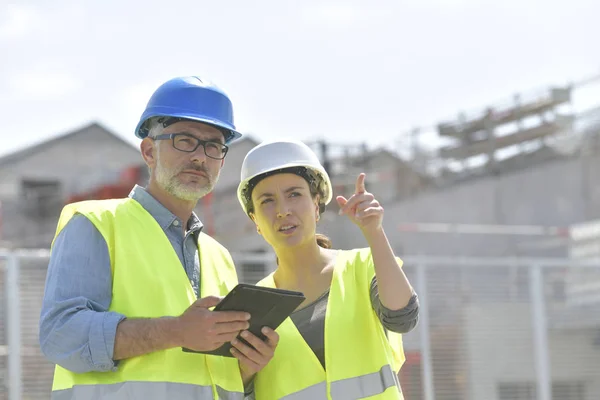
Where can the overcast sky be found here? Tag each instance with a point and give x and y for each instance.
(294, 68)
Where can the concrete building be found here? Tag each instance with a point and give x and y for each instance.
(36, 181)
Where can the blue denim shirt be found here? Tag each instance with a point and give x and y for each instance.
(76, 330)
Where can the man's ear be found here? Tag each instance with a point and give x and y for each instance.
(222, 163)
(148, 150)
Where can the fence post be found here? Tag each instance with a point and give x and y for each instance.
(14, 327)
(540, 333)
(426, 365)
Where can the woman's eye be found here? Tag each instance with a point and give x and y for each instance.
(294, 194)
(265, 201)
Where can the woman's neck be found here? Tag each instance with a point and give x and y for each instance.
(301, 266)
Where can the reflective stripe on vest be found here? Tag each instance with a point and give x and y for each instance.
(143, 390)
(357, 387)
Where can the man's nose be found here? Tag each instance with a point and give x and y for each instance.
(199, 156)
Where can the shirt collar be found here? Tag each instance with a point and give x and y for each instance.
(161, 214)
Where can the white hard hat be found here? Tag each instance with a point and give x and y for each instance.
(273, 156)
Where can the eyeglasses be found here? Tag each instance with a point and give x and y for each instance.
(189, 144)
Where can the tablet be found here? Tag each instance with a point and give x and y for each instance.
(266, 306)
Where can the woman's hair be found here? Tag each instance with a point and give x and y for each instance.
(323, 241)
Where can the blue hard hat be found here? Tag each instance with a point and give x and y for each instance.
(190, 98)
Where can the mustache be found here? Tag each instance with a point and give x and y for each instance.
(198, 168)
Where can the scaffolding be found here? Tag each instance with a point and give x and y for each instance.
(533, 126)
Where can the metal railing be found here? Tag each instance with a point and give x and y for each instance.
(490, 328)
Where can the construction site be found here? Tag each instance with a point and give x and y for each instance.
(497, 220)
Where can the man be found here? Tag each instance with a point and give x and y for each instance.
(130, 281)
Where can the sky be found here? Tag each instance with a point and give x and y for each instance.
(347, 71)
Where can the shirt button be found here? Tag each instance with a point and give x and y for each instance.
(176, 223)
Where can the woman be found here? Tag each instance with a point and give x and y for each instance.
(344, 341)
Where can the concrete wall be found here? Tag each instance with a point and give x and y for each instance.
(83, 160)
(387, 176)
(498, 348)
(230, 173)
(561, 192)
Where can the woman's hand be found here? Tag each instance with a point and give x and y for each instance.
(362, 208)
(253, 360)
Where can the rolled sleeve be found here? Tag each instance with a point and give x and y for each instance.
(102, 340)
(77, 331)
(399, 321)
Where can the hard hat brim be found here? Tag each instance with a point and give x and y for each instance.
(242, 186)
(141, 132)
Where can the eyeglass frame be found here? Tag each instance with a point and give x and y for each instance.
(200, 142)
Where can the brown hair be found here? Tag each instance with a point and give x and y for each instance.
(323, 241)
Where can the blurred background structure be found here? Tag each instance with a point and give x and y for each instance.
(499, 225)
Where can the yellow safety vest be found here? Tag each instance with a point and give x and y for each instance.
(149, 282)
(361, 360)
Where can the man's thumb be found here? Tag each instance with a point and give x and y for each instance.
(208, 301)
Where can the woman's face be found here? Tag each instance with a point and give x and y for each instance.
(285, 212)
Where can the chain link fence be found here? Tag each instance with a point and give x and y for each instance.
(507, 329)
(490, 329)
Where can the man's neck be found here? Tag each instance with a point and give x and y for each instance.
(182, 209)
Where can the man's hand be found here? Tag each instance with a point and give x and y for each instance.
(253, 360)
(203, 330)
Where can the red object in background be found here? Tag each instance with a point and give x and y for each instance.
(114, 191)
(127, 179)
(131, 175)
(410, 376)
(209, 223)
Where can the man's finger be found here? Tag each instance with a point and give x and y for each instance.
(228, 327)
(360, 183)
(207, 302)
(227, 337)
(230, 316)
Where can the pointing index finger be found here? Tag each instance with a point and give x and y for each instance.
(360, 183)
